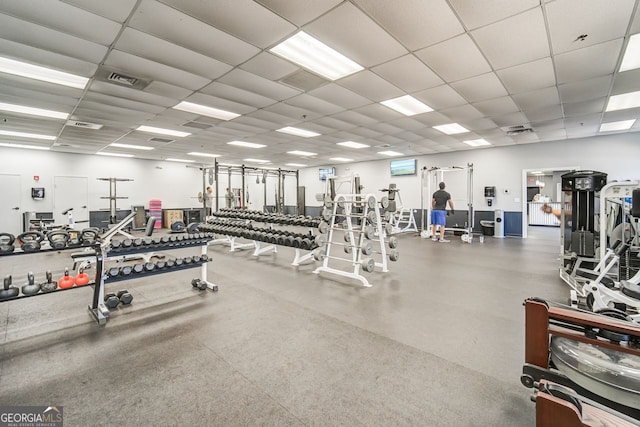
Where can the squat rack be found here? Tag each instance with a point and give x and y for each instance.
(211, 174)
(433, 176)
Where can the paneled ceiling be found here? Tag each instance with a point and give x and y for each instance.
(488, 65)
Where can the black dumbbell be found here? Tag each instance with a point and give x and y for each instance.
(111, 301)
(179, 262)
(149, 266)
(204, 258)
(171, 263)
(200, 284)
(124, 297)
(160, 265)
(127, 243)
(126, 270)
(138, 268)
(113, 272)
(115, 243)
(137, 242)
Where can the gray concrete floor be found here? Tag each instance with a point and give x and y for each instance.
(437, 341)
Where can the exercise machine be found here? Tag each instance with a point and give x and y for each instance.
(429, 178)
(596, 356)
(402, 219)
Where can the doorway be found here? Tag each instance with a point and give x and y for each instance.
(540, 186)
(10, 221)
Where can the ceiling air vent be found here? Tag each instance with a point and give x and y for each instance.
(518, 130)
(161, 140)
(112, 76)
(83, 125)
(197, 125)
(303, 80)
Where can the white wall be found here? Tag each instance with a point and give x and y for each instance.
(617, 155)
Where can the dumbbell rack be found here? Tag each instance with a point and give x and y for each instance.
(369, 203)
(105, 253)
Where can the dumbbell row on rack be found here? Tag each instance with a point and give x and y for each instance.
(276, 237)
(132, 270)
(272, 218)
(165, 241)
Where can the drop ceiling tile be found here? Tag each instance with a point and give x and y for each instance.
(143, 68)
(116, 10)
(629, 81)
(581, 121)
(432, 119)
(440, 97)
(272, 117)
(221, 103)
(480, 88)
(292, 112)
(467, 61)
(589, 62)
(127, 93)
(250, 82)
(409, 123)
(152, 48)
(342, 29)
(408, 73)
(299, 12)
(371, 86)
(167, 90)
(64, 18)
(339, 95)
(478, 14)
(334, 123)
(537, 99)
(529, 76)
(547, 125)
(314, 104)
(269, 66)
(581, 132)
(586, 89)
(462, 113)
(379, 112)
(550, 112)
(240, 96)
(354, 118)
(601, 21)
(24, 94)
(513, 119)
(160, 20)
(583, 108)
(263, 124)
(415, 23)
(516, 40)
(386, 128)
(362, 132)
(245, 19)
(635, 25)
(54, 41)
(480, 125)
(95, 114)
(114, 101)
(497, 106)
(552, 135)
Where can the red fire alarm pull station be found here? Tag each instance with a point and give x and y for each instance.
(36, 177)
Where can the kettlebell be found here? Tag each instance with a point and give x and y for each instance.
(8, 291)
(82, 278)
(66, 281)
(30, 241)
(89, 236)
(58, 239)
(49, 285)
(31, 287)
(6, 243)
(74, 239)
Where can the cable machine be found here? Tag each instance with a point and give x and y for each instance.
(430, 177)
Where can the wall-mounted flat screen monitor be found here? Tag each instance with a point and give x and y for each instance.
(324, 172)
(37, 193)
(403, 167)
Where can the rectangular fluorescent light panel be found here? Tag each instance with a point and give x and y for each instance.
(302, 153)
(180, 160)
(613, 126)
(477, 142)
(351, 144)
(246, 144)
(451, 128)
(298, 132)
(162, 131)
(624, 101)
(296, 165)
(44, 74)
(203, 110)
(133, 147)
(27, 135)
(341, 159)
(195, 153)
(631, 59)
(390, 153)
(407, 105)
(33, 111)
(257, 161)
(30, 147)
(312, 54)
(104, 153)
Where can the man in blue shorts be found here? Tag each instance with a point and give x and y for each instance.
(438, 212)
